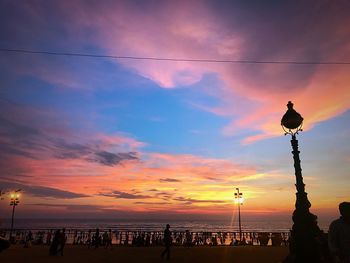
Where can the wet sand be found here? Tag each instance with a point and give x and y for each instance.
(74, 254)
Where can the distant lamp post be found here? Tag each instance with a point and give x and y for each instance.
(239, 201)
(306, 236)
(14, 202)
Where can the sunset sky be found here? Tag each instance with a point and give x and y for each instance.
(101, 137)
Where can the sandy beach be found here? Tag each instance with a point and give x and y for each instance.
(39, 254)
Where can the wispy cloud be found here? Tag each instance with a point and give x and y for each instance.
(23, 139)
(152, 203)
(108, 158)
(169, 180)
(124, 195)
(72, 207)
(42, 191)
(191, 200)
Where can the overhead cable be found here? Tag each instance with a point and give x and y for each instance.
(73, 54)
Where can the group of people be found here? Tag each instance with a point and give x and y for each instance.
(95, 240)
(338, 238)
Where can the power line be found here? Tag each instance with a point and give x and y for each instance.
(72, 54)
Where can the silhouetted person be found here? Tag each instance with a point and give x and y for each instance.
(264, 238)
(89, 239)
(167, 242)
(339, 235)
(28, 239)
(97, 238)
(62, 241)
(108, 239)
(48, 238)
(104, 239)
(55, 243)
(188, 239)
(148, 240)
(4, 244)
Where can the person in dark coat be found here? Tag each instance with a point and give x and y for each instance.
(62, 241)
(4, 244)
(97, 238)
(55, 242)
(167, 242)
(339, 235)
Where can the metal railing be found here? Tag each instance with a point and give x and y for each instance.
(149, 238)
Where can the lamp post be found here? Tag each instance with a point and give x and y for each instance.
(306, 240)
(239, 200)
(14, 202)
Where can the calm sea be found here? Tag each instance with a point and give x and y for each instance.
(155, 225)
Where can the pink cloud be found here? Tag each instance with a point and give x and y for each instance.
(195, 30)
(252, 95)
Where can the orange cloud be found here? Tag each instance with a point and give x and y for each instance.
(164, 181)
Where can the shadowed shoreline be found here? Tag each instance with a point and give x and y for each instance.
(39, 254)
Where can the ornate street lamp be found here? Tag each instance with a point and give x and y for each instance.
(239, 200)
(307, 242)
(14, 202)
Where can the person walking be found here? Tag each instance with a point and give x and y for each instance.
(97, 238)
(89, 239)
(55, 243)
(167, 242)
(28, 239)
(48, 238)
(109, 239)
(62, 241)
(188, 239)
(339, 235)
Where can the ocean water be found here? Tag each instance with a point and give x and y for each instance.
(155, 225)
